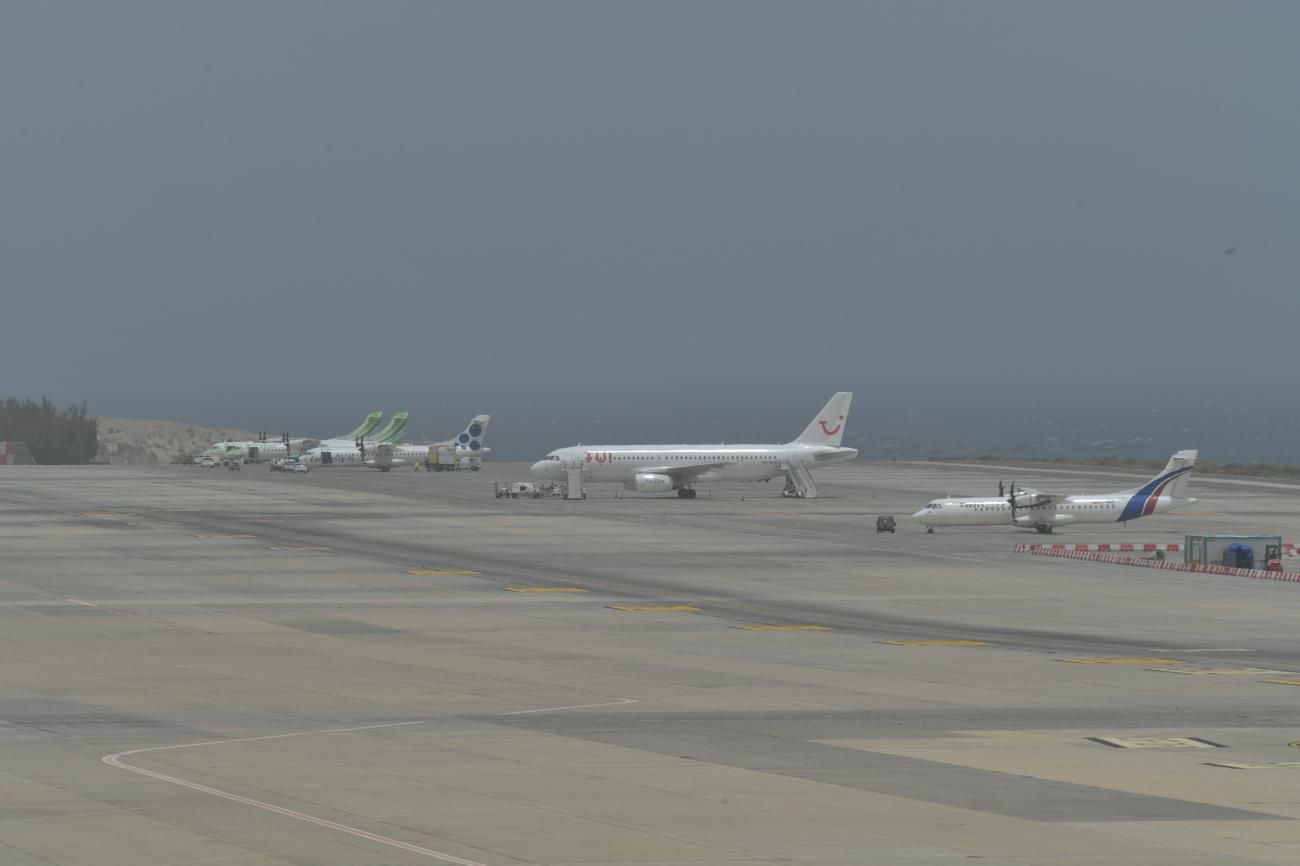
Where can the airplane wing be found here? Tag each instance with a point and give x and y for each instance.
(1028, 497)
(686, 473)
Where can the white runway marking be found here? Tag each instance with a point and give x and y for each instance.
(116, 760)
(616, 703)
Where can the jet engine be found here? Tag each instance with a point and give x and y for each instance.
(651, 482)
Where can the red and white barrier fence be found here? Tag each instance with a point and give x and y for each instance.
(1288, 549)
(1064, 551)
(1108, 548)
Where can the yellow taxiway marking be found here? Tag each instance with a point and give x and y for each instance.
(441, 571)
(650, 608)
(545, 589)
(1122, 661)
(1285, 683)
(783, 627)
(937, 642)
(297, 547)
(223, 535)
(1280, 765)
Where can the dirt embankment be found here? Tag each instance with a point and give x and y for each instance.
(138, 442)
(1284, 471)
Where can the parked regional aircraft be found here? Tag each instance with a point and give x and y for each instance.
(392, 431)
(1043, 512)
(257, 451)
(663, 468)
(384, 455)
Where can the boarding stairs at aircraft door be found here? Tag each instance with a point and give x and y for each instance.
(798, 481)
(574, 488)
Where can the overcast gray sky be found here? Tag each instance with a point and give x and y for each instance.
(289, 213)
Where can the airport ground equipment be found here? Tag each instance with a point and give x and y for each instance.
(527, 489)
(442, 458)
(574, 488)
(1233, 551)
(799, 483)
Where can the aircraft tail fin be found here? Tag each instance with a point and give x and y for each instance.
(474, 437)
(367, 427)
(1171, 482)
(392, 432)
(1181, 463)
(827, 428)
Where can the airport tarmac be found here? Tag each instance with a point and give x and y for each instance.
(354, 668)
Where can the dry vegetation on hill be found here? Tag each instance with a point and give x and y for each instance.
(135, 441)
(1203, 467)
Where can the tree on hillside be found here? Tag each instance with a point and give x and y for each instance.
(52, 435)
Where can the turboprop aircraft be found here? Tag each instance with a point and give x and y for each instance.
(664, 468)
(384, 455)
(263, 449)
(1030, 509)
(392, 432)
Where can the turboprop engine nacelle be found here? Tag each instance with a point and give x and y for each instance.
(650, 482)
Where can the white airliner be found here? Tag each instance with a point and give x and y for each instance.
(1044, 512)
(257, 451)
(384, 455)
(664, 468)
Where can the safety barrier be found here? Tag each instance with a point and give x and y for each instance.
(1288, 548)
(1111, 548)
(1065, 552)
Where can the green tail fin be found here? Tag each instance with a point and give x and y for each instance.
(393, 431)
(367, 427)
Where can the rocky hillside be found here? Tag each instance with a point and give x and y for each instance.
(134, 441)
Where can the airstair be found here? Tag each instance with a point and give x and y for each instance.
(798, 481)
(574, 488)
